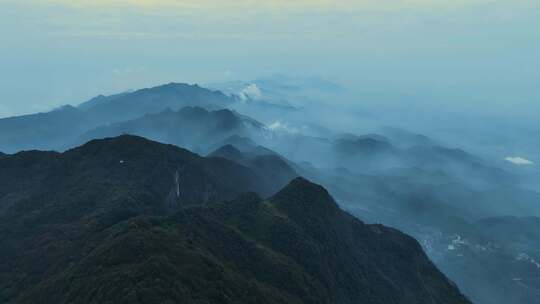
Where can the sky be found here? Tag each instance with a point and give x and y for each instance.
(468, 55)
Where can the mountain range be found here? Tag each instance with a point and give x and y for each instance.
(109, 178)
(58, 129)
(194, 128)
(127, 220)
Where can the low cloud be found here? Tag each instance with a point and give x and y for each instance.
(282, 126)
(251, 92)
(520, 161)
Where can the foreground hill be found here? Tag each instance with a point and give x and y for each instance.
(96, 225)
(138, 164)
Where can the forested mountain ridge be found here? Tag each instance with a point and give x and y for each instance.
(110, 222)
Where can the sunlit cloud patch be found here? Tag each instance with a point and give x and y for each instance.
(520, 161)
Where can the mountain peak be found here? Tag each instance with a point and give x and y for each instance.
(302, 197)
(128, 146)
(305, 186)
(121, 139)
(228, 152)
(179, 86)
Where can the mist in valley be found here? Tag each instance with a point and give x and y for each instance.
(418, 116)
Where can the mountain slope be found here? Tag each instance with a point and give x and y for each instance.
(132, 160)
(53, 206)
(245, 145)
(269, 165)
(296, 247)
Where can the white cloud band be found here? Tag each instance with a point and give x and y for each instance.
(520, 161)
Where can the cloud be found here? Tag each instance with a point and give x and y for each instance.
(520, 161)
(313, 20)
(282, 126)
(272, 4)
(252, 92)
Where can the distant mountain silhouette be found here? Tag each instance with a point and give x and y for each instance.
(59, 128)
(363, 147)
(194, 128)
(173, 95)
(246, 145)
(368, 153)
(406, 139)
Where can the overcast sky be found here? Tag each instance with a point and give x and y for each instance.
(465, 53)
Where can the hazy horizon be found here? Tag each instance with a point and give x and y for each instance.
(468, 55)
